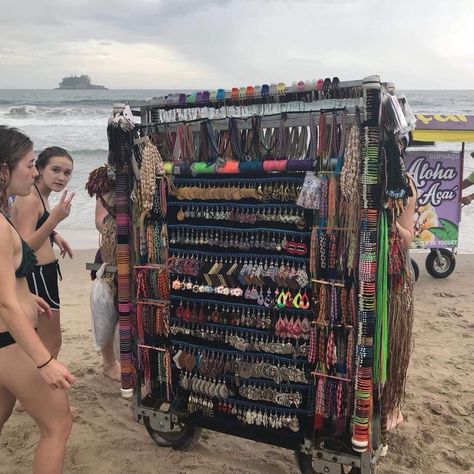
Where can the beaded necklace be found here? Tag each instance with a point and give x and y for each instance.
(332, 263)
(332, 202)
(340, 419)
(322, 152)
(146, 367)
(330, 356)
(322, 304)
(313, 259)
(312, 352)
(334, 310)
(140, 328)
(281, 139)
(313, 141)
(319, 404)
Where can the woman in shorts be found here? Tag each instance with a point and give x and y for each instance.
(36, 221)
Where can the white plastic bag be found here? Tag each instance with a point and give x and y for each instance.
(103, 312)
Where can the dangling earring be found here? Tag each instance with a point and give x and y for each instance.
(281, 300)
(180, 215)
(297, 300)
(304, 303)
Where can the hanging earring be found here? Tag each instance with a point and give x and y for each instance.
(176, 284)
(268, 299)
(297, 300)
(260, 298)
(288, 299)
(304, 303)
(281, 300)
(180, 215)
(180, 310)
(187, 313)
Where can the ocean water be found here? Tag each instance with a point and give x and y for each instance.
(77, 121)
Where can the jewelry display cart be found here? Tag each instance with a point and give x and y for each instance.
(247, 254)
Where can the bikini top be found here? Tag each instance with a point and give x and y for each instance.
(28, 257)
(45, 215)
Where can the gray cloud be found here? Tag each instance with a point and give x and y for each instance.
(232, 42)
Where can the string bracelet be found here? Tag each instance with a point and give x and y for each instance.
(45, 364)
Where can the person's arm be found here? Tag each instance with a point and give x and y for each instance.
(469, 181)
(63, 245)
(405, 223)
(17, 322)
(467, 199)
(100, 213)
(25, 217)
(11, 312)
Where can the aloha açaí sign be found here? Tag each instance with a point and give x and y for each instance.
(437, 176)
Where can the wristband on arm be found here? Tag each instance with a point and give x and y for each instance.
(45, 364)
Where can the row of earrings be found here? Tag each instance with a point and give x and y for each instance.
(278, 298)
(212, 363)
(243, 239)
(227, 213)
(241, 340)
(258, 319)
(260, 417)
(248, 271)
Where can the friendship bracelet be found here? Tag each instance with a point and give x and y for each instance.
(45, 364)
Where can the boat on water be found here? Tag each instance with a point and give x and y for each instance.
(78, 83)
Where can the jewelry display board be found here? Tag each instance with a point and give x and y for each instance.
(253, 262)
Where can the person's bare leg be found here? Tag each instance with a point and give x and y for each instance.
(7, 401)
(49, 331)
(394, 419)
(110, 365)
(48, 407)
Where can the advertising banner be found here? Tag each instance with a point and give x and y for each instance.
(444, 127)
(438, 177)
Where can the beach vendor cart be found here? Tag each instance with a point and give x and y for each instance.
(259, 269)
(438, 177)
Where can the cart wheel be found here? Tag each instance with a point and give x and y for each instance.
(305, 465)
(416, 269)
(182, 437)
(440, 267)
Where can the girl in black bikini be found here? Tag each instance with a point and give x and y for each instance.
(36, 223)
(27, 369)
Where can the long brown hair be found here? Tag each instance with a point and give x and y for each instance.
(14, 145)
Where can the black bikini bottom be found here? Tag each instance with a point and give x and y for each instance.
(6, 339)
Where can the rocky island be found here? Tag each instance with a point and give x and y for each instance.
(78, 82)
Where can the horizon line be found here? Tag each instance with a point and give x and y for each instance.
(183, 89)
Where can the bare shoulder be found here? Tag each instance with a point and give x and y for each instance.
(25, 212)
(30, 202)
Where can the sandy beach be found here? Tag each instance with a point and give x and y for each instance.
(437, 436)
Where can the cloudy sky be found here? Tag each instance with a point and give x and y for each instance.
(155, 44)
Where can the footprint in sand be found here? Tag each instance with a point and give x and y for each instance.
(427, 437)
(443, 294)
(454, 458)
(449, 312)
